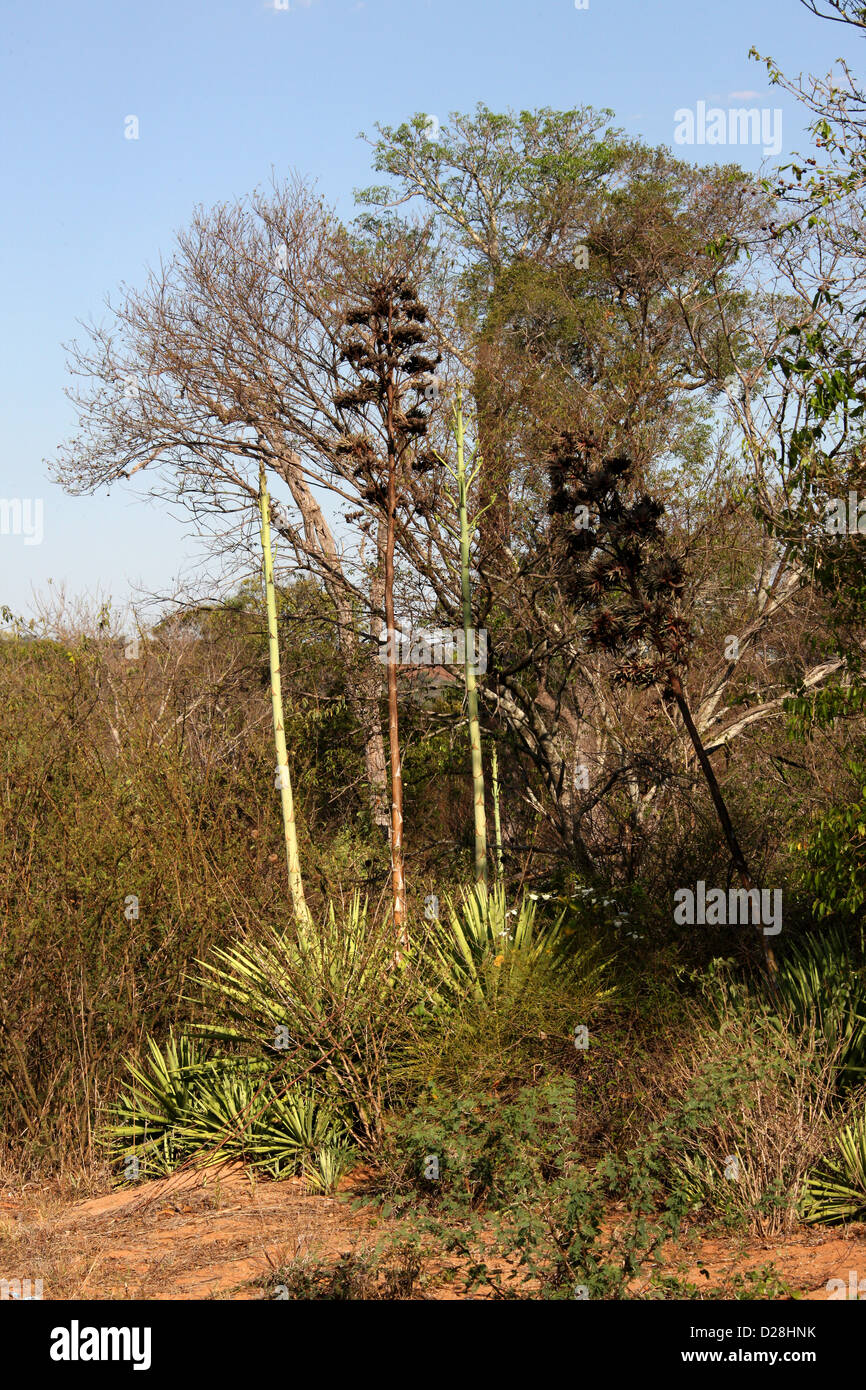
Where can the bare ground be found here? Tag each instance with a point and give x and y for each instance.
(226, 1233)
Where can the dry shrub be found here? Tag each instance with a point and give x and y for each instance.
(746, 1114)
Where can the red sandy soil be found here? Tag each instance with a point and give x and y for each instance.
(226, 1234)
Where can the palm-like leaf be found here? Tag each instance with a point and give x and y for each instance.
(322, 1002)
(837, 1190)
(485, 947)
(822, 982)
(151, 1115)
(181, 1106)
(295, 1130)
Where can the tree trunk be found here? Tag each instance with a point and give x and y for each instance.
(494, 526)
(369, 694)
(737, 856)
(364, 703)
(497, 824)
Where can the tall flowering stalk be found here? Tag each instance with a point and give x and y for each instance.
(381, 341)
(497, 823)
(463, 481)
(283, 779)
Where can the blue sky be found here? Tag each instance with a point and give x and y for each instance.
(224, 90)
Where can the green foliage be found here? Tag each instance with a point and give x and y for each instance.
(822, 983)
(834, 850)
(822, 461)
(836, 1188)
(822, 709)
(325, 1022)
(762, 1284)
(484, 948)
(831, 849)
(540, 162)
(488, 1149)
(507, 987)
(158, 1104)
(514, 1200)
(332, 999)
(182, 1106)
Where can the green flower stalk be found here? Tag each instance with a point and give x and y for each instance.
(497, 824)
(283, 781)
(469, 652)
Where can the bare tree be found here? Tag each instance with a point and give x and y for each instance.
(225, 361)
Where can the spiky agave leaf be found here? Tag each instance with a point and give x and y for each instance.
(320, 1001)
(277, 979)
(152, 1115)
(184, 1106)
(292, 1130)
(821, 981)
(485, 946)
(836, 1190)
(225, 1107)
(324, 1169)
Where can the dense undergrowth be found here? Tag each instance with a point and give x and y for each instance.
(543, 1084)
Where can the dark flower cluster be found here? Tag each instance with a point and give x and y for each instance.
(613, 563)
(383, 336)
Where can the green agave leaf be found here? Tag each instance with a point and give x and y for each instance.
(836, 1191)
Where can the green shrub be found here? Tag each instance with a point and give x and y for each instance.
(822, 984)
(511, 1198)
(834, 851)
(508, 989)
(483, 948)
